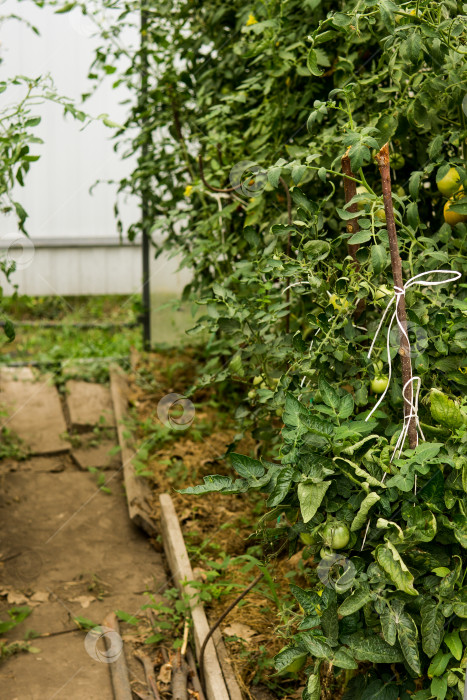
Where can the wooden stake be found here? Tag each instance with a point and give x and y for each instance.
(219, 620)
(194, 679)
(382, 158)
(179, 562)
(222, 654)
(227, 667)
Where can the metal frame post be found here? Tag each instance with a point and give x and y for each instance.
(146, 291)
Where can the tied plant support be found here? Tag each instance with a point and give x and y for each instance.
(399, 294)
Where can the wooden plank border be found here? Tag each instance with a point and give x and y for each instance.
(179, 562)
(138, 491)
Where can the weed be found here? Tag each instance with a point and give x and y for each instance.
(100, 479)
(169, 617)
(11, 446)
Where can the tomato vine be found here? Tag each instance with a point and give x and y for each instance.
(278, 92)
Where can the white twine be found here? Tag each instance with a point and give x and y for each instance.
(295, 284)
(413, 402)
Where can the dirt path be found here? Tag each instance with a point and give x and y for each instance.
(67, 548)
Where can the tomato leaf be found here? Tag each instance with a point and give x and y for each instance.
(432, 626)
(407, 634)
(311, 496)
(391, 561)
(361, 517)
(312, 63)
(354, 602)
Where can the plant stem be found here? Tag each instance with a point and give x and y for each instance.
(350, 190)
(382, 159)
(289, 222)
(218, 622)
(352, 225)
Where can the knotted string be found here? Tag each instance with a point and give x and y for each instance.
(399, 292)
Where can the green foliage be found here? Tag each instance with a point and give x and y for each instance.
(70, 345)
(267, 99)
(11, 446)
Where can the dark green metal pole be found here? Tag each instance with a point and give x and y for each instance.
(145, 223)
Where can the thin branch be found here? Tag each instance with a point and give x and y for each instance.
(218, 622)
(350, 190)
(352, 225)
(289, 221)
(149, 673)
(186, 630)
(211, 187)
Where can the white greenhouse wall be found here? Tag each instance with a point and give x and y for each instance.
(86, 267)
(56, 193)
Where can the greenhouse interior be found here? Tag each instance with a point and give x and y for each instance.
(233, 355)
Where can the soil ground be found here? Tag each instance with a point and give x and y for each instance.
(67, 548)
(217, 529)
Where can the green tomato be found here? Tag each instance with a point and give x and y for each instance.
(336, 535)
(450, 183)
(236, 365)
(361, 189)
(397, 161)
(252, 394)
(257, 380)
(307, 538)
(452, 217)
(296, 665)
(379, 384)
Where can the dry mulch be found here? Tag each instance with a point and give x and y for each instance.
(214, 526)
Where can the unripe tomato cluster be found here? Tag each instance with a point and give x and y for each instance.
(379, 213)
(450, 186)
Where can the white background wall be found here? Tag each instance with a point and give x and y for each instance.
(56, 194)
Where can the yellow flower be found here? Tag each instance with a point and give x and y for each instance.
(188, 190)
(251, 20)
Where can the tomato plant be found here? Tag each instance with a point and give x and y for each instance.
(247, 115)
